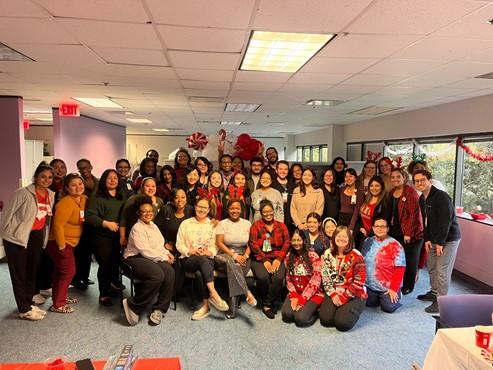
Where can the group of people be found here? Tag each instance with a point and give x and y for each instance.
(336, 242)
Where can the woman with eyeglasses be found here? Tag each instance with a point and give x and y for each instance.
(369, 170)
(196, 243)
(152, 266)
(204, 166)
(269, 243)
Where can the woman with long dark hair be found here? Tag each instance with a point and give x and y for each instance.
(148, 168)
(182, 161)
(238, 189)
(214, 192)
(369, 170)
(352, 196)
(24, 228)
(384, 169)
(266, 191)
(204, 166)
(343, 281)
(332, 201)
(167, 181)
(303, 281)
(406, 225)
(191, 184)
(306, 198)
(103, 215)
(339, 166)
(313, 235)
(295, 172)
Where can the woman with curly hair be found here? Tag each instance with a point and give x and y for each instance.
(238, 189)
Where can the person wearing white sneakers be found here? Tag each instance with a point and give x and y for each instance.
(24, 229)
(196, 243)
(151, 263)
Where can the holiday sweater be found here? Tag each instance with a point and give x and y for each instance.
(301, 284)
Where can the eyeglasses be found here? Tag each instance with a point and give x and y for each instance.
(419, 181)
(380, 226)
(146, 212)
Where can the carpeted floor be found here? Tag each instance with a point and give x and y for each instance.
(379, 341)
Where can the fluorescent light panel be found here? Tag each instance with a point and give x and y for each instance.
(281, 51)
(327, 103)
(374, 110)
(11, 55)
(99, 102)
(160, 129)
(138, 120)
(241, 107)
(231, 123)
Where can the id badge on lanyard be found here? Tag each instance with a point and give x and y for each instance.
(81, 216)
(49, 212)
(353, 199)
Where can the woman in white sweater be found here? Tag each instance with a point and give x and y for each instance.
(307, 198)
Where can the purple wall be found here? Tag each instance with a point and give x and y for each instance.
(83, 137)
(11, 146)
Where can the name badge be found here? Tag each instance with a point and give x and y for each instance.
(129, 186)
(48, 210)
(353, 199)
(81, 216)
(285, 197)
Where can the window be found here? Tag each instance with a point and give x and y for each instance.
(353, 152)
(403, 150)
(440, 160)
(477, 188)
(312, 153)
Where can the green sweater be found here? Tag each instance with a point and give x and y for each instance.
(103, 209)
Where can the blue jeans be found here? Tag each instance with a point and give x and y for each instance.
(381, 299)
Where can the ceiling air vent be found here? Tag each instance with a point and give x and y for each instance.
(487, 76)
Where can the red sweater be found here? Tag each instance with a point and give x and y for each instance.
(410, 217)
(303, 285)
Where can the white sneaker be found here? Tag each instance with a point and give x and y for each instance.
(31, 315)
(131, 316)
(38, 299)
(46, 292)
(37, 309)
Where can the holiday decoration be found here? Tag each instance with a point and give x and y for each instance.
(197, 141)
(421, 157)
(373, 156)
(397, 162)
(478, 156)
(246, 147)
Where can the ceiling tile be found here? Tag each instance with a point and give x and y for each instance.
(254, 76)
(474, 25)
(22, 8)
(115, 10)
(338, 65)
(29, 30)
(372, 80)
(318, 78)
(203, 39)
(256, 86)
(207, 85)
(313, 16)
(59, 54)
(131, 56)
(113, 34)
(204, 74)
(217, 13)
(417, 17)
(404, 67)
(206, 93)
(190, 59)
(366, 46)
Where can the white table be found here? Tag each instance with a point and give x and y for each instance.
(455, 349)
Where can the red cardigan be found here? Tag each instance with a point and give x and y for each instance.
(410, 217)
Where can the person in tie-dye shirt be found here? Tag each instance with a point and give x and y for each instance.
(385, 265)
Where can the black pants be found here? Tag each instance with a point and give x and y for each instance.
(202, 266)
(23, 267)
(412, 251)
(269, 285)
(342, 317)
(155, 279)
(107, 253)
(83, 253)
(305, 316)
(45, 272)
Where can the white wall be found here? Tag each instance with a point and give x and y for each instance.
(138, 145)
(332, 136)
(44, 133)
(467, 116)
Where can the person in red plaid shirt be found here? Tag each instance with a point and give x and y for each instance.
(303, 281)
(269, 243)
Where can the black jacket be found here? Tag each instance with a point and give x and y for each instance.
(439, 217)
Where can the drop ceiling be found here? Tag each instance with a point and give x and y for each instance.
(176, 63)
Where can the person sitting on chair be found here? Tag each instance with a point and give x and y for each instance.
(151, 263)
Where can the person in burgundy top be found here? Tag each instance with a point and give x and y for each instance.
(406, 224)
(24, 229)
(167, 181)
(343, 280)
(303, 282)
(269, 243)
(352, 196)
(385, 265)
(182, 161)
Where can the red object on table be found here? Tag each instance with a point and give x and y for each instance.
(172, 363)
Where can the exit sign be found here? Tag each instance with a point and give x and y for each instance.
(69, 110)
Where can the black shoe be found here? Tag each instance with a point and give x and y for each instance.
(429, 296)
(432, 308)
(79, 284)
(88, 282)
(269, 313)
(105, 301)
(117, 286)
(406, 291)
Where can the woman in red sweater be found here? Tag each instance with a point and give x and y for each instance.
(343, 280)
(303, 282)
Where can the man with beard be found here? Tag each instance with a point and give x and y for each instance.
(272, 158)
(256, 165)
(281, 183)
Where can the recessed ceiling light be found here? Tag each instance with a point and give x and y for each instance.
(9, 54)
(99, 102)
(241, 107)
(281, 51)
(160, 129)
(231, 123)
(275, 123)
(374, 110)
(326, 103)
(138, 120)
(129, 113)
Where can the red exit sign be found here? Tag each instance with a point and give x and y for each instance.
(69, 110)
